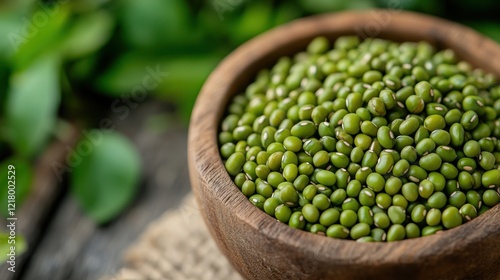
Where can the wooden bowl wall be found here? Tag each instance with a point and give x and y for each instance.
(257, 245)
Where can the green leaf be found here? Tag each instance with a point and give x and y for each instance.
(490, 29)
(83, 69)
(322, 6)
(424, 6)
(360, 5)
(88, 34)
(186, 77)
(104, 180)
(9, 22)
(4, 78)
(21, 177)
(5, 243)
(285, 13)
(124, 74)
(83, 6)
(215, 30)
(256, 19)
(155, 24)
(39, 34)
(19, 5)
(31, 106)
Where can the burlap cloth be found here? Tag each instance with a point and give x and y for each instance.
(177, 246)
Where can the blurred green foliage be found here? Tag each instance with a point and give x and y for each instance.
(60, 60)
(112, 169)
(24, 179)
(6, 243)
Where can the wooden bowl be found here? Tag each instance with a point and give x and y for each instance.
(257, 245)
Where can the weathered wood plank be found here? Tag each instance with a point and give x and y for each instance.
(74, 248)
(32, 216)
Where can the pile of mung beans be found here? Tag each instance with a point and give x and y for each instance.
(370, 140)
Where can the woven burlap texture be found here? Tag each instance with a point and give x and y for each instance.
(177, 246)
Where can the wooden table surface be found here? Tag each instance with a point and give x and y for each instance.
(68, 245)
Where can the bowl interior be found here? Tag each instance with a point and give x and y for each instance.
(394, 25)
(238, 226)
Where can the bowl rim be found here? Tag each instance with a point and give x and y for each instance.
(206, 163)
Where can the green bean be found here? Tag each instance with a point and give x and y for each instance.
(337, 231)
(396, 232)
(451, 217)
(370, 141)
(430, 230)
(297, 220)
(468, 212)
(409, 126)
(397, 214)
(360, 230)
(491, 178)
(348, 218)
(430, 162)
(385, 137)
(235, 163)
